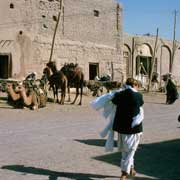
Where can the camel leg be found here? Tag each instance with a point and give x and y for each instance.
(57, 98)
(62, 99)
(35, 102)
(77, 94)
(69, 98)
(60, 102)
(63, 92)
(80, 102)
(54, 93)
(31, 100)
(28, 100)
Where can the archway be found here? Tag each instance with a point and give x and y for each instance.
(143, 60)
(165, 60)
(143, 63)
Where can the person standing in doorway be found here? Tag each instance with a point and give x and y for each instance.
(155, 81)
(128, 102)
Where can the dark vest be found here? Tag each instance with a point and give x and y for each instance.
(128, 106)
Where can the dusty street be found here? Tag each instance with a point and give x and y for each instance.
(62, 142)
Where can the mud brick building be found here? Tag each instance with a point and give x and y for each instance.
(90, 33)
(138, 52)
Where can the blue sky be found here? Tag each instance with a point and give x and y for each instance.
(145, 16)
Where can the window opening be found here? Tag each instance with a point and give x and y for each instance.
(96, 13)
(11, 6)
(93, 70)
(5, 66)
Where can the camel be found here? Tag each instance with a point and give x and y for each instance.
(26, 97)
(56, 81)
(75, 78)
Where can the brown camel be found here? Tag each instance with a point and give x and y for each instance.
(57, 81)
(75, 78)
(21, 96)
(17, 94)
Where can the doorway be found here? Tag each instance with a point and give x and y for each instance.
(93, 70)
(143, 65)
(5, 66)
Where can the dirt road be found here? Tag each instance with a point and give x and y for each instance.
(62, 142)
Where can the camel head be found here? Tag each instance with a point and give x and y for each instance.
(52, 66)
(9, 86)
(12, 86)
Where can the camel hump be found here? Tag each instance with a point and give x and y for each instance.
(78, 69)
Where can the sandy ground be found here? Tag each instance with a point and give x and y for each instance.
(62, 142)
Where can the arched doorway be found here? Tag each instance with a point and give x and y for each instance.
(143, 63)
(165, 60)
(143, 60)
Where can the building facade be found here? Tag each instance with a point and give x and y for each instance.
(138, 53)
(89, 33)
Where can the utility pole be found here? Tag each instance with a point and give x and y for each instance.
(132, 56)
(174, 42)
(55, 30)
(153, 60)
(118, 26)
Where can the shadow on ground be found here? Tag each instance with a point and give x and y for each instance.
(94, 142)
(159, 160)
(152, 102)
(54, 175)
